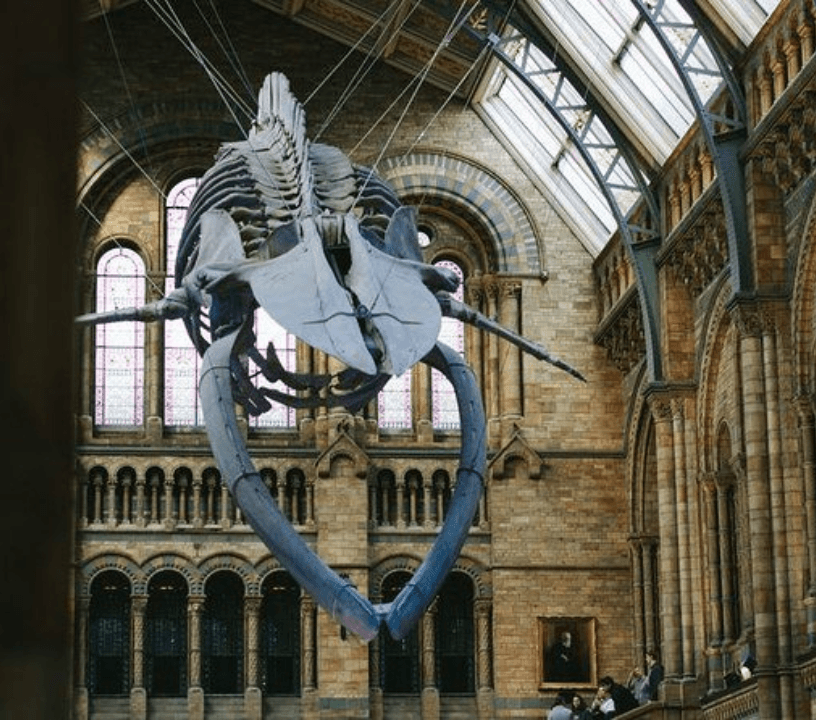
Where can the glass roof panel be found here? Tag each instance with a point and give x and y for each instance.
(620, 58)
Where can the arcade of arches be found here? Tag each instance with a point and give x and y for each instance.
(678, 515)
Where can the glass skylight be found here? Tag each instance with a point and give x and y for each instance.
(630, 77)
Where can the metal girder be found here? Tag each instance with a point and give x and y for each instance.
(724, 146)
(501, 31)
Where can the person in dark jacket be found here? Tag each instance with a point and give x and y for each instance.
(612, 700)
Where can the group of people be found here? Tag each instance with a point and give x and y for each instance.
(612, 699)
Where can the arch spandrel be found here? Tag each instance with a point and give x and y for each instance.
(508, 222)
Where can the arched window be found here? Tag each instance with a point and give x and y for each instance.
(166, 635)
(399, 672)
(454, 636)
(181, 360)
(109, 635)
(119, 361)
(452, 333)
(280, 635)
(222, 634)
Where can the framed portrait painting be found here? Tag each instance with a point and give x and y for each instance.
(566, 656)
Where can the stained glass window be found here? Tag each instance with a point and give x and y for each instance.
(181, 360)
(109, 635)
(394, 403)
(452, 333)
(166, 635)
(222, 634)
(280, 635)
(119, 362)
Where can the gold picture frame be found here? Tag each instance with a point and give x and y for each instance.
(567, 662)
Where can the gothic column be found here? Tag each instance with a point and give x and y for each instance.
(669, 559)
(430, 693)
(484, 655)
(759, 506)
(138, 693)
(253, 701)
(807, 435)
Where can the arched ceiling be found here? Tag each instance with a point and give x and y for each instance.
(582, 92)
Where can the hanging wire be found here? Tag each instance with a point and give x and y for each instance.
(229, 52)
(350, 52)
(366, 65)
(127, 153)
(125, 83)
(229, 96)
(418, 80)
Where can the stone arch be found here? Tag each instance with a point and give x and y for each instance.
(641, 438)
(231, 562)
(112, 561)
(803, 309)
(397, 563)
(180, 564)
(264, 568)
(189, 121)
(717, 324)
(447, 178)
(476, 571)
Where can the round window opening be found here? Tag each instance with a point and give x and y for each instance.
(425, 235)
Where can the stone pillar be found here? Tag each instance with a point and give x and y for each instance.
(683, 534)
(138, 693)
(510, 361)
(309, 694)
(422, 402)
(154, 367)
(474, 341)
(636, 555)
(492, 371)
(195, 693)
(110, 503)
(651, 636)
(779, 520)
(430, 693)
(759, 507)
(668, 560)
(714, 643)
(253, 701)
(807, 436)
(724, 486)
(81, 701)
(484, 665)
